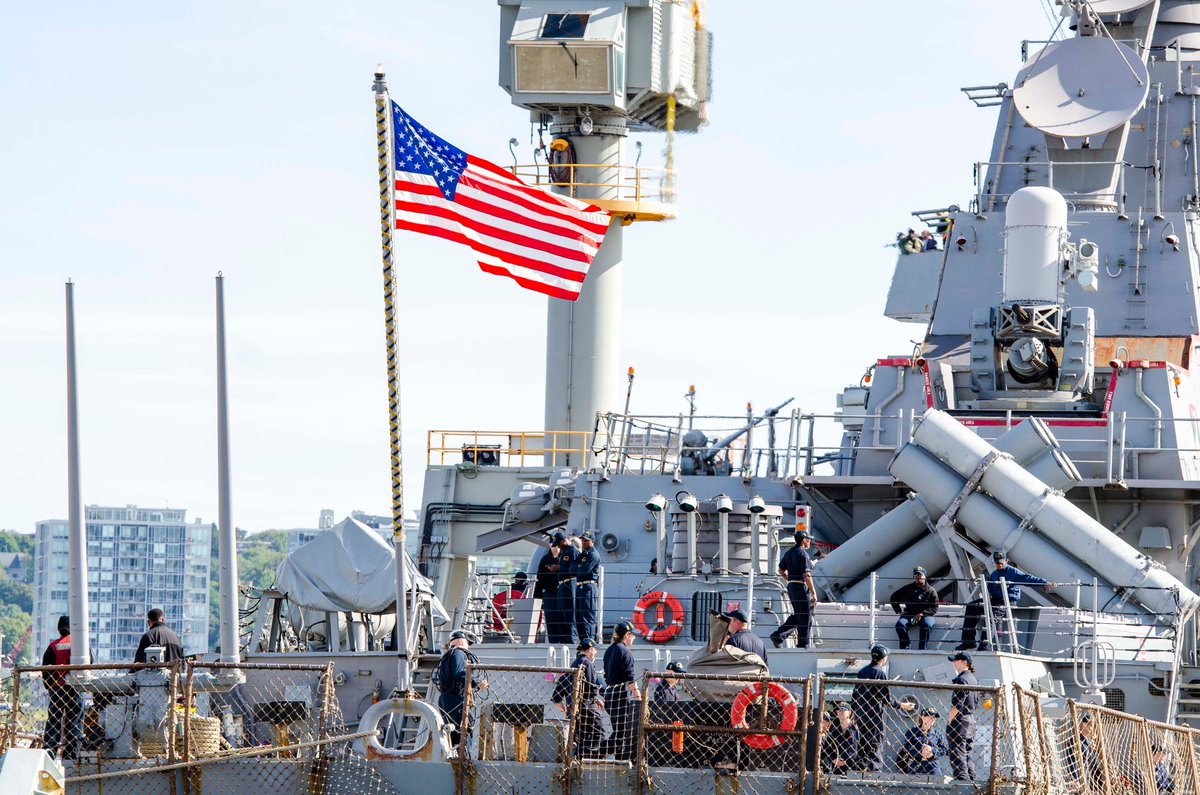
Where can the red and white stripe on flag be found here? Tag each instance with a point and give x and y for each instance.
(543, 241)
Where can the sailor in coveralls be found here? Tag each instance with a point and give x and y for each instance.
(867, 703)
(564, 598)
(622, 694)
(840, 745)
(796, 566)
(960, 723)
(451, 680)
(586, 571)
(667, 691)
(923, 747)
(589, 730)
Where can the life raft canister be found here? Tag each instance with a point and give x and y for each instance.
(663, 630)
(777, 693)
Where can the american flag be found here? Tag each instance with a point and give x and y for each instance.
(543, 241)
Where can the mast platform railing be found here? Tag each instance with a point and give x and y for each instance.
(1042, 172)
(632, 193)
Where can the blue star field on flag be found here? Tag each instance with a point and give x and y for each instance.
(418, 151)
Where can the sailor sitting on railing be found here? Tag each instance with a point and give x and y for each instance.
(1014, 578)
(920, 603)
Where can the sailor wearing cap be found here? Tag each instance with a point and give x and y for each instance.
(546, 588)
(915, 603)
(622, 692)
(667, 691)
(740, 637)
(923, 746)
(840, 746)
(589, 730)
(450, 678)
(586, 571)
(796, 567)
(1085, 767)
(868, 702)
(1013, 579)
(563, 626)
(1163, 781)
(960, 723)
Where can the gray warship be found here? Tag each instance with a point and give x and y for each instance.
(1047, 413)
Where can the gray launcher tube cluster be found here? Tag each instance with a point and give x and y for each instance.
(901, 539)
(944, 453)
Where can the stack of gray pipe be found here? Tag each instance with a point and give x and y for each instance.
(1016, 486)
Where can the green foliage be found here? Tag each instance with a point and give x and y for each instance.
(16, 594)
(13, 623)
(12, 541)
(258, 559)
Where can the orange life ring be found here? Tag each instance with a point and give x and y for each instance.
(663, 630)
(791, 713)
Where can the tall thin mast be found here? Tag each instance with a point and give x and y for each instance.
(227, 540)
(386, 184)
(76, 529)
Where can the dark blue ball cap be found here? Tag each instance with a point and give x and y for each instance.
(999, 556)
(587, 535)
(879, 652)
(919, 570)
(962, 656)
(585, 644)
(732, 614)
(675, 667)
(802, 535)
(558, 538)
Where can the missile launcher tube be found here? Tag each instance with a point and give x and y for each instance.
(901, 527)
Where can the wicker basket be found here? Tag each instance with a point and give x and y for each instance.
(204, 733)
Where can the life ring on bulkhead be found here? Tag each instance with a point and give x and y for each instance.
(777, 693)
(663, 630)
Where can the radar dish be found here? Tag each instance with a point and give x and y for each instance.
(1117, 6)
(1081, 87)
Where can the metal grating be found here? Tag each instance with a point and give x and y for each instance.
(702, 603)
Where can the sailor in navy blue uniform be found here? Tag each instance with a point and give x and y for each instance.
(1163, 782)
(667, 690)
(923, 746)
(741, 638)
(796, 567)
(840, 746)
(868, 702)
(621, 693)
(960, 722)
(1014, 578)
(451, 680)
(586, 571)
(564, 593)
(589, 730)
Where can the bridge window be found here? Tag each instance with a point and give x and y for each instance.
(564, 26)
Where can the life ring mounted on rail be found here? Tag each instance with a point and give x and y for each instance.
(751, 695)
(663, 629)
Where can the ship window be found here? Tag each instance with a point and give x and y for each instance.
(564, 26)
(1114, 698)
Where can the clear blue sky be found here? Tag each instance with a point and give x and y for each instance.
(147, 146)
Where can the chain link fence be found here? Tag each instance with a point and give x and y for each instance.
(872, 731)
(1086, 748)
(190, 727)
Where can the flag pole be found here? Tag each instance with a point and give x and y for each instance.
(386, 183)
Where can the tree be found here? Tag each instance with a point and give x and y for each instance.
(13, 623)
(16, 594)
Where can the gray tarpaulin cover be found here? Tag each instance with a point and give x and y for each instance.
(347, 568)
(721, 660)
